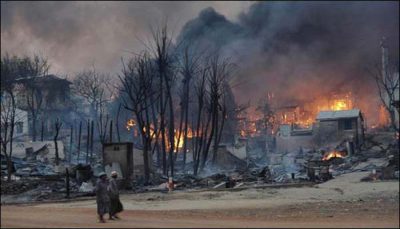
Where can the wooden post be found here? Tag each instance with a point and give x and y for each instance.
(111, 130)
(79, 140)
(70, 143)
(67, 181)
(87, 141)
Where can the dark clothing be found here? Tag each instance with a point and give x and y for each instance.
(115, 203)
(102, 198)
(113, 191)
(115, 206)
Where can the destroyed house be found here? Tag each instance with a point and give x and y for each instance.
(45, 85)
(342, 125)
(53, 103)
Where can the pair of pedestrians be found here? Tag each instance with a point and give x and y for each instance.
(107, 197)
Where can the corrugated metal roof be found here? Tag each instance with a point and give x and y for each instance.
(324, 115)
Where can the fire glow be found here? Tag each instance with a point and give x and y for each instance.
(304, 115)
(297, 115)
(178, 136)
(340, 104)
(333, 154)
(130, 123)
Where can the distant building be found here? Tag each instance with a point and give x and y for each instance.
(53, 95)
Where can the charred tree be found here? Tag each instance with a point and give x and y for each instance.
(189, 67)
(79, 140)
(57, 128)
(10, 67)
(137, 83)
(70, 143)
(92, 86)
(87, 140)
(164, 69)
(8, 120)
(386, 76)
(91, 140)
(117, 122)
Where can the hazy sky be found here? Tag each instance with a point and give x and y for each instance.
(74, 35)
(298, 50)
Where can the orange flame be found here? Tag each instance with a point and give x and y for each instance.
(179, 139)
(130, 123)
(303, 116)
(341, 104)
(333, 154)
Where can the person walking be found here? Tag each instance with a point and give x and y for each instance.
(115, 203)
(102, 198)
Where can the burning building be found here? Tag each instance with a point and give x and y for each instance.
(340, 125)
(321, 121)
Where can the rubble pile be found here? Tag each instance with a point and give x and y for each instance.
(39, 189)
(40, 180)
(18, 186)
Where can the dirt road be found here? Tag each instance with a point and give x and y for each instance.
(341, 202)
(379, 213)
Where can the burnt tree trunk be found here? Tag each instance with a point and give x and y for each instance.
(34, 128)
(185, 134)
(67, 182)
(171, 128)
(117, 123)
(111, 131)
(207, 141)
(79, 140)
(162, 128)
(58, 125)
(91, 140)
(70, 144)
(87, 141)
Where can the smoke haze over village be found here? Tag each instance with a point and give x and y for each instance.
(278, 46)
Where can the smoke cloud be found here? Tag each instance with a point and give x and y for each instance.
(303, 50)
(75, 34)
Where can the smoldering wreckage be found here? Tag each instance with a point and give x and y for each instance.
(291, 148)
(254, 161)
